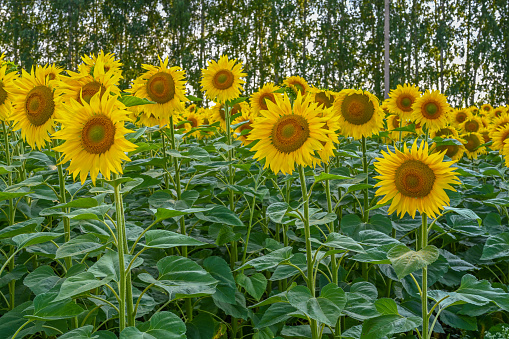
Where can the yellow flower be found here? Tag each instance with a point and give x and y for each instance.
(324, 98)
(431, 110)
(298, 84)
(472, 124)
(221, 80)
(497, 112)
(401, 100)
(455, 152)
(259, 99)
(165, 86)
(35, 107)
(472, 141)
(106, 61)
(53, 72)
(486, 109)
(332, 126)
(195, 121)
(218, 112)
(359, 113)
(6, 87)
(459, 116)
(288, 135)
(243, 131)
(415, 180)
(94, 137)
(474, 110)
(206, 114)
(146, 118)
(445, 132)
(500, 138)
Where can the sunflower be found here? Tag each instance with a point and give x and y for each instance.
(195, 121)
(500, 138)
(243, 131)
(472, 141)
(6, 86)
(402, 98)
(35, 107)
(485, 134)
(221, 80)
(455, 152)
(259, 99)
(445, 132)
(146, 118)
(393, 122)
(206, 115)
(431, 110)
(415, 180)
(324, 98)
(498, 123)
(298, 84)
(497, 112)
(472, 124)
(505, 152)
(83, 86)
(53, 72)
(94, 137)
(359, 113)
(332, 126)
(288, 136)
(486, 109)
(106, 61)
(474, 110)
(459, 116)
(165, 86)
(218, 112)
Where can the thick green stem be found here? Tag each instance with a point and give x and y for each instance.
(309, 249)
(334, 266)
(182, 221)
(424, 287)
(166, 177)
(251, 214)
(231, 177)
(366, 200)
(121, 251)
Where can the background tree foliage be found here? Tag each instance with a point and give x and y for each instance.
(458, 46)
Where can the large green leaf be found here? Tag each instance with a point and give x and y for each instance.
(162, 325)
(168, 239)
(383, 325)
(269, 260)
(165, 213)
(254, 285)
(277, 211)
(27, 226)
(275, 314)
(221, 215)
(87, 332)
(108, 265)
(41, 280)
(80, 283)
(77, 246)
(405, 261)
(220, 270)
(46, 308)
(181, 277)
(496, 246)
(25, 240)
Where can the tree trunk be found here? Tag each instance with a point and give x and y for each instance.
(387, 43)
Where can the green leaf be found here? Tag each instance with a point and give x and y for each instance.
(166, 213)
(277, 211)
(220, 270)
(129, 101)
(496, 246)
(79, 203)
(220, 215)
(108, 265)
(25, 240)
(181, 277)
(405, 261)
(12, 195)
(276, 314)
(270, 260)
(168, 239)
(193, 98)
(27, 226)
(358, 187)
(327, 176)
(87, 332)
(77, 246)
(464, 212)
(386, 306)
(254, 285)
(47, 309)
(378, 327)
(78, 284)
(41, 280)
(162, 325)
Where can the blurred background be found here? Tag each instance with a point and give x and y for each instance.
(460, 47)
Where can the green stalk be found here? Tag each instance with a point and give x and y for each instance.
(424, 288)
(63, 200)
(309, 254)
(178, 189)
(12, 283)
(366, 200)
(231, 175)
(251, 213)
(121, 250)
(166, 178)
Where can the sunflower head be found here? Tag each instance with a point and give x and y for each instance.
(289, 136)
(194, 119)
(445, 132)
(35, 107)
(431, 110)
(472, 143)
(486, 109)
(474, 110)
(7, 85)
(243, 131)
(103, 62)
(259, 99)
(472, 124)
(221, 80)
(415, 180)
(298, 84)
(359, 113)
(497, 112)
(402, 98)
(455, 151)
(93, 137)
(218, 112)
(324, 98)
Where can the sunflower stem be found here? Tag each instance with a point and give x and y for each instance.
(227, 118)
(309, 255)
(182, 221)
(366, 200)
(166, 178)
(331, 226)
(424, 288)
(121, 251)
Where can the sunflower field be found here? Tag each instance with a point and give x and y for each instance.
(142, 199)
